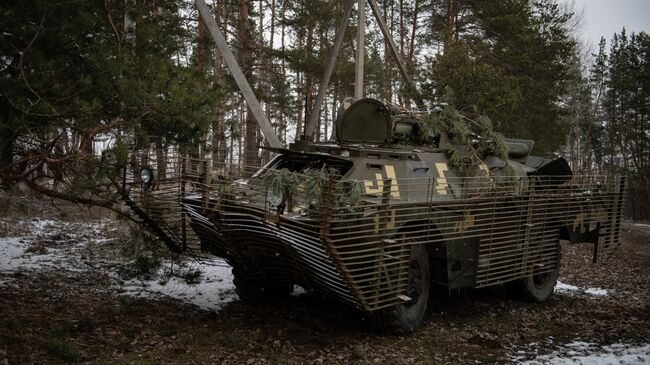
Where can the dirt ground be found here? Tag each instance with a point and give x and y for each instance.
(54, 314)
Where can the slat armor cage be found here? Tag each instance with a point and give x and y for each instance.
(489, 231)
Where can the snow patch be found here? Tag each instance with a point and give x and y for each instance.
(597, 292)
(588, 353)
(10, 250)
(59, 245)
(14, 257)
(561, 287)
(212, 292)
(40, 224)
(642, 225)
(35, 252)
(298, 291)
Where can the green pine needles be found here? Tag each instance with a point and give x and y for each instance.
(311, 186)
(478, 137)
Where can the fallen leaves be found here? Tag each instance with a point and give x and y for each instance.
(86, 319)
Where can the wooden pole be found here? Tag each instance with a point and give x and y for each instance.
(238, 75)
(324, 82)
(361, 40)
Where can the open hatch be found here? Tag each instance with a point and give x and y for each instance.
(366, 121)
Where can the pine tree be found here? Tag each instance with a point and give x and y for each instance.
(620, 82)
(71, 72)
(515, 71)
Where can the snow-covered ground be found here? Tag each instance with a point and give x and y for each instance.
(640, 225)
(58, 245)
(572, 289)
(213, 289)
(46, 245)
(588, 353)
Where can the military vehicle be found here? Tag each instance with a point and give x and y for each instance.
(394, 204)
(376, 217)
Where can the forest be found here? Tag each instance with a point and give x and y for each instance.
(84, 82)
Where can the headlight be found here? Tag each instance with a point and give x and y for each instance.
(274, 197)
(146, 175)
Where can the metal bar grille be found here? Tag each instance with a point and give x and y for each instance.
(359, 251)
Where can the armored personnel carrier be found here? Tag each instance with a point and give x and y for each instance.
(389, 208)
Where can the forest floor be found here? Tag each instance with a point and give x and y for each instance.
(78, 286)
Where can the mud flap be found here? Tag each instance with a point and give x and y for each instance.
(609, 231)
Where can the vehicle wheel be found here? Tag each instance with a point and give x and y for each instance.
(537, 287)
(406, 317)
(254, 291)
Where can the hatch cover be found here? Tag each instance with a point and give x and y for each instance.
(365, 121)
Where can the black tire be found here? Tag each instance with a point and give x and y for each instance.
(407, 317)
(254, 291)
(536, 287)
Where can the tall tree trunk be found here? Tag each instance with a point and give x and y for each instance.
(411, 53)
(251, 155)
(401, 28)
(231, 146)
(307, 76)
(161, 162)
(283, 70)
(240, 140)
(321, 52)
(266, 79)
(269, 60)
(200, 47)
(299, 122)
(387, 68)
(219, 147)
(334, 116)
(8, 137)
(325, 121)
(129, 23)
(201, 67)
(410, 60)
(450, 24)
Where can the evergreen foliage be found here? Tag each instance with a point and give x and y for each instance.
(73, 71)
(309, 186)
(620, 128)
(514, 70)
(477, 136)
(146, 74)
